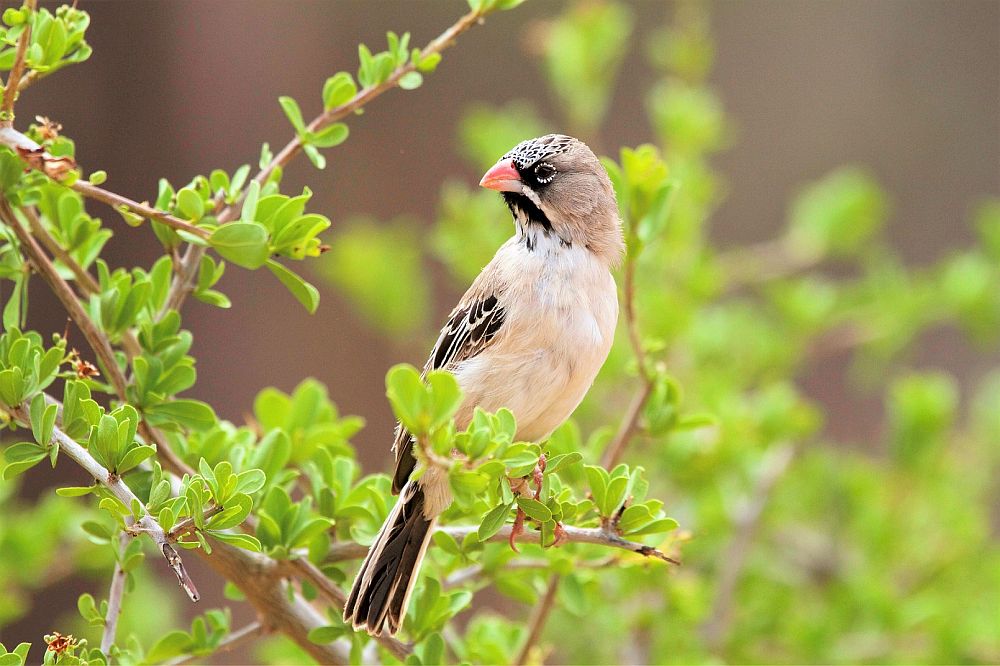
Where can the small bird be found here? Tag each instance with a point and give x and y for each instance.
(530, 335)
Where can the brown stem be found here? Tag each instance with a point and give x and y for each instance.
(537, 623)
(87, 284)
(630, 424)
(145, 210)
(184, 279)
(56, 168)
(14, 80)
(97, 340)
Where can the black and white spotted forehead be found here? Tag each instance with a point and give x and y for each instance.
(528, 152)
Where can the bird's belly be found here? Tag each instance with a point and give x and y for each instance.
(547, 370)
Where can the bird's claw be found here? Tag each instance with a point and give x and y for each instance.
(517, 529)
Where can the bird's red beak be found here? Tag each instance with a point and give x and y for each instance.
(502, 177)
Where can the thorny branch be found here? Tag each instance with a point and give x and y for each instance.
(145, 525)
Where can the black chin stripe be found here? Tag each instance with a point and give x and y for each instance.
(520, 202)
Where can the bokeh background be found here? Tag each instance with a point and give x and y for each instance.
(909, 90)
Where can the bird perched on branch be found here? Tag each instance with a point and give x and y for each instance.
(530, 334)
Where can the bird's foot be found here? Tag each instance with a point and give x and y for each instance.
(517, 529)
(559, 535)
(538, 475)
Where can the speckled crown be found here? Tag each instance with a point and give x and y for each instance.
(528, 152)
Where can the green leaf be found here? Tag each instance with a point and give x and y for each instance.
(171, 645)
(408, 396)
(534, 509)
(243, 243)
(305, 293)
(193, 414)
(327, 634)
(337, 90)
(249, 212)
(21, 457)
(190, 204)
(411, 80)
(312, 152)
(244, 541)
(493, 521)
(291, 109)
(330, 136)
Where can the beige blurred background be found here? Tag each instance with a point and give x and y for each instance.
(909, 89)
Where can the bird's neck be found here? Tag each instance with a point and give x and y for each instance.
(533, 227)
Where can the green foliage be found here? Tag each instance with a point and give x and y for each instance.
(879, 550)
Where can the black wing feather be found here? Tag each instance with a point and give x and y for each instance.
(470, 329)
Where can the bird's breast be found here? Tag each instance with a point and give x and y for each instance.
(561, 314)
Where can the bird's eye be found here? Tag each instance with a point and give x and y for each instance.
(544, 172)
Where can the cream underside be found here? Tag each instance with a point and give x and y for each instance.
(560, 312)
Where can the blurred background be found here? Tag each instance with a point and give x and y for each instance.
(767, 99)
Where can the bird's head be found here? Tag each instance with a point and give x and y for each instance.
(556, 182)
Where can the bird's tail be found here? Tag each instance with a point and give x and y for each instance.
(382, 588)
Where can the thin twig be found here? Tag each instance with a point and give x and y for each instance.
(115, 594)
(86, 283)
(630, 424)
(188, 525)
(35, 157)
(537, 623)
(236, 638)
(184, 279)
(14, 80)
(98, 341)
(145, 525)
(733, 557)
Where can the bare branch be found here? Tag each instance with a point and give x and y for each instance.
(236, 638)
(14, 80)
(184, 280)
(115, 594)
(537, 623)
(85, 282)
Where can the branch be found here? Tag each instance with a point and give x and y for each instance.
(234, 639)
(115, 598)
(87, 284)
(97, 340)
(56, 168)
(184, 280)
(14, 80)
(309, 571)
(733, 558)
(147, 524)
(630, 423)
(538, 618)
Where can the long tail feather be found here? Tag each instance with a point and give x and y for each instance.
(383, 585)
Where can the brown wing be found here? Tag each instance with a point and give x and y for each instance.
(470, 329)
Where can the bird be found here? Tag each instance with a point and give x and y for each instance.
(530, 334)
